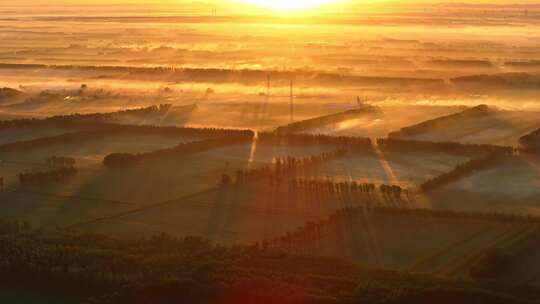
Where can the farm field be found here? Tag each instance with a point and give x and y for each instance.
(28, 133)
(525, 268)
(269, 151)
(389, 119)
(248, 213)
(391, 167)
(416, 243)
(255, 114)
(493, 190)
(241, 214)
(490, 126)
(97, 191)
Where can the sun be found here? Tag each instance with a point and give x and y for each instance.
(289, 4)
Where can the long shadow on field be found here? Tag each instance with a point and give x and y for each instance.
(217, 213)
(225, 212)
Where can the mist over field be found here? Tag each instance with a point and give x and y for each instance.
(269, 151)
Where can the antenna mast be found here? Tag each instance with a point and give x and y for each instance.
(291, 102)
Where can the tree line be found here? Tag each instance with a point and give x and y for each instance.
(116, 160)
(463, 170)
(331, 186)
(441, 147)
(52, 175)
(105, 130)
(349, 142)
(89, 120)
(281, 167)
(428, 125)
(60, 169)
(365, 144)
(321, 121)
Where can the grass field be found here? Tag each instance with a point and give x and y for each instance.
(29, 133)
(401, 241)
(97, 191)
(513, 186)
(496, 127)
(391, 118)
(406, 169)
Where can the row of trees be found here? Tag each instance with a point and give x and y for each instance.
(321, 121)
(331, 186)
(441, 147)
(428, 125)
(460, 171)
(60, 162)
(282, 166)
(116, 160)
(53, 175)
(92, 119)
(364, 143)
(51, 140)
(105, 130)
(349, 142)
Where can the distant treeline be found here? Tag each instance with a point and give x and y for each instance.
(108, 129)
(463, 170)
(441, 147)
(96, 269)
(93, 119)
(116, 160)
(528, 64)
(321, 121)
(245, 76)
(427, 126)
(281, 167)
(515, 80)
(52, 175)
(365, 144)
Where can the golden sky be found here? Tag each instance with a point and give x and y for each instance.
(192, 2)
(248, 6)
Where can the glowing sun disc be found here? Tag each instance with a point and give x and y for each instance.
(288, 4)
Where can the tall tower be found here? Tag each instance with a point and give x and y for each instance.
(267, 88)
(291, 102)
(267, 97)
